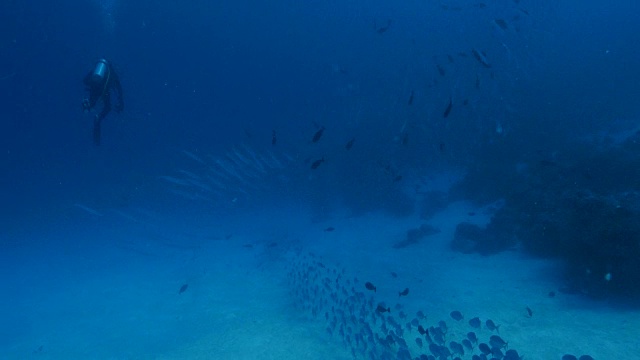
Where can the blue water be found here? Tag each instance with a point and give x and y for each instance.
(257, 133)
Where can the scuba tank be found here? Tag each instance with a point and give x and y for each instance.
(100, 72)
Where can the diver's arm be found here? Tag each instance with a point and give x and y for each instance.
(118, 89)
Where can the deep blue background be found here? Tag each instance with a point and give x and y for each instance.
(203, 76)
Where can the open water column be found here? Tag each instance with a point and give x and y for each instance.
(108, 8)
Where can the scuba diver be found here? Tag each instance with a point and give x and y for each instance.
(99, 83)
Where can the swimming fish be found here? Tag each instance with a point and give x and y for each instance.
(410, 98)
(329, 229)
(316, 163)
(467, 344)
(481, 57)
(501, 23)
(472, 337)
(381, 29)
(382, 309)
(456, 348)
(496, 342)
(492, 326)
(274, 139)
(404, 292)
(529, 312)
(447, 111)
(317, 135)
(456, 315)
(349, 144)
(421, 330)
(475, 323)
(183, 288)
(484, 348)
(370, 286)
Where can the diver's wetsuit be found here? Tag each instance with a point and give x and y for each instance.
(100, 87)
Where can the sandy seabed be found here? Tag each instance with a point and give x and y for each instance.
(109, 288)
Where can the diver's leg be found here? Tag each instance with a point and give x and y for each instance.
(98, 119)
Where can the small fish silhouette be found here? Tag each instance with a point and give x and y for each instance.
(316, 163)
(183, 288)
(447, 111)
(370, 286)
(317, 135)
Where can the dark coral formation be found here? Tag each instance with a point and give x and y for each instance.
(582, 207)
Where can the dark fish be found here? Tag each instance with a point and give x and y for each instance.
(481, 57)
(349, 144)
(552, 294)
(456, 348)
(447, 111)
(441, 147)
(450, 58)
(441, 70)
(475, 323)
(421, 330)
(274, 139)
(456, 315)
(393, 274)
(435, 350)
(410, 98)
(419, 342)
(317, 135)
(513, 355)
(467, 344)
(404, 292)
(472, 337)
(496, 342)
(501, 23)
(329, 229)
(443, 327)
(183, 288)
(524, 11)
(585, 357)
(381, 309)
(382, 29)
(569, 357)
(420, 315)
(477, 81)
(397, 178)
(529, 312)
(370, 286)
(484, 348)
(496, 352)
(492, 326)
(316, 163)
(39, 349)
